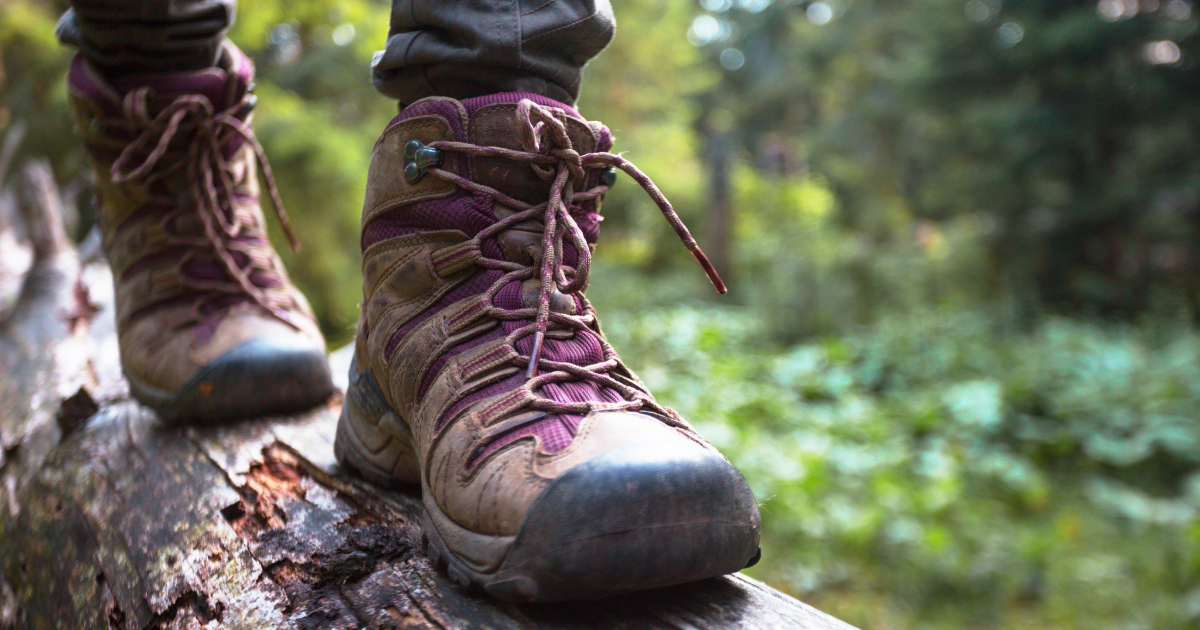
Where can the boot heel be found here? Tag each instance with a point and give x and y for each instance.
(372, 438)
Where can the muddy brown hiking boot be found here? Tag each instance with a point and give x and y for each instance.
(547, 470)
(210, 326)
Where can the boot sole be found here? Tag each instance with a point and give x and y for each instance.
(256, 378)
(371, 438)
(650, 533)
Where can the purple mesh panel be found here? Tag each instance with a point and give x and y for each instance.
(582, 349)
(266, 280)
(507, 385)
(557, 431)
(579, 391)
(570, 257)
(206, 269)
(509, 296)
(231, 146)
(475, 104)
(471, 213)
(86, 84)
(468, 213)
(211, 310)
(205, 330)
(222, 302)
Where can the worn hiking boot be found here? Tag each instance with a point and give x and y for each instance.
(210, 326)
(547, 470)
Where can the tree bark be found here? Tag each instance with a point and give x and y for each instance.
(113, 520)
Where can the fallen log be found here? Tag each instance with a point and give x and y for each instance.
(113, 520)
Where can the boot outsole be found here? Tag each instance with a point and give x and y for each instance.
(363, 413)
(257, 378)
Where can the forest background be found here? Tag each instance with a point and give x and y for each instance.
(959, 362)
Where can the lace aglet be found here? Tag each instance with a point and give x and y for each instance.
(293, 240)
(531, 371)
(713, 276)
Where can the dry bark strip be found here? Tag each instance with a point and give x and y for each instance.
(113, 520)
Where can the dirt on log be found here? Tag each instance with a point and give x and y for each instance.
(114, 520)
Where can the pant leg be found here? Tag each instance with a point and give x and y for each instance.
(456, 48)
(142, 36)
(465, 48)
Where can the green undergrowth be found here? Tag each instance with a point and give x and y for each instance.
(944, 470)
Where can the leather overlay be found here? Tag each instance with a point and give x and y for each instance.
(399, 283)
(473, 496)
(495, 500)
(448, 387)
(386, 186)
(420, 349)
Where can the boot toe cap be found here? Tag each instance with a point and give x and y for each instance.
(641, 516)
(266, 375)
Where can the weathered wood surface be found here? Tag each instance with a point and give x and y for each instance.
(112, 520)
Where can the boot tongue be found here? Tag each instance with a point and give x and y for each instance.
(493, 122)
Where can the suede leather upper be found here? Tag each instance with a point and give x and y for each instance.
(179, 308)
(444, 365)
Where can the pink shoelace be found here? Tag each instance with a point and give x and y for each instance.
(213, 189)
(548, 149)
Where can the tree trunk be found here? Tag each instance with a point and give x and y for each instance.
(113, 520)
(719, 218)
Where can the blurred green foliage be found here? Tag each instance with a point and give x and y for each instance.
(941, 470)
(958, 363)
(1065, 127)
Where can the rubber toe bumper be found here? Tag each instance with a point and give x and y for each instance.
(632, 519)
(259, 377)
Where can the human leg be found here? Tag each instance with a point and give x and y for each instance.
(125, 37)
(467, 49)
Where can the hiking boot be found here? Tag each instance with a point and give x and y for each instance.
(547, 470)
(210, 327)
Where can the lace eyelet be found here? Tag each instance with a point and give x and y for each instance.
(418, 158)
(608, 176)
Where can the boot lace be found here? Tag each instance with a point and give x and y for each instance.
(549, 151)
(150, 158)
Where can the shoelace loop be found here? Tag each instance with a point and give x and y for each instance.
(208, 170)
(549, 151)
